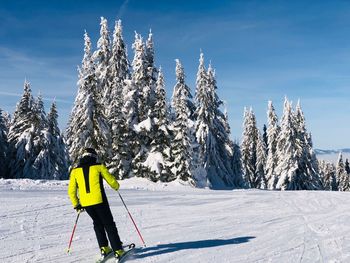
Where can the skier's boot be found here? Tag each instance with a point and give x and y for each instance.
(105, 252)
(118, 254)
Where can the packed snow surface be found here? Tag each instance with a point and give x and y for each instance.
(179, 224)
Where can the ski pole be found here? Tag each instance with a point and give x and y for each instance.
(138, 231)
(71, 237)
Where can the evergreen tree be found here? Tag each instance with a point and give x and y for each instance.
(142, 123)
(260, 162)
(20, 134)
(152, 73)
(88, 126)
(180, 88)
(273, 131)
(347, 166)
(249, 150)
(3, 147)
(160, 145)
(182, 146)
(140, 78)
(58, 155)
(184, 129)
(264, 137)
(298, 166)
(29, 139)
(287, 167)
(341, 175)
(38, 167)
(203, 121)
(308, 172)
(119, 70)
(211, 132)
(7, 119)
(121, 155)
(237, 164)
(102, 68)
(327, 171)
(234, 153)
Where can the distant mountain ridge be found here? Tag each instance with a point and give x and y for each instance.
(332, 155)
(320, 151)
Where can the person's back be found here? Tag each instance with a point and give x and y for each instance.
(88, 177)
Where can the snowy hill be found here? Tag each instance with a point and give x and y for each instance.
(179, 224)
(332, 155)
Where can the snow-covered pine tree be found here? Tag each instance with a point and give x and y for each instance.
(119, 71)
(20, 134)
(158, 159)
(130, 112)
(215, 144)
(327, 171)
(88, 126)
(141, 78)
(237, 164)
(341, 175)
(181, 87)
(28, 138)
(298, 166)
(121, 154)
(102, 70)
(308, 172)
(149, 92)
(261, 162)
(287, 167)
(181, 147)
(264, 136)
(347, 166)
(147, 130)
(38, 166)
(3, 147)
(322, 168)
(133, 87)
(7, 119)
(183, 115)
(142, 123)
(249, 149)
(203, 121)
(273, 131)
(58, 155)
(235, 153)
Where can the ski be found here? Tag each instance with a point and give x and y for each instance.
(127, 253)
(127, 249)
(102, 260)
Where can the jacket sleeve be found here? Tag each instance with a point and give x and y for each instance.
(72, 189)
(110, 179)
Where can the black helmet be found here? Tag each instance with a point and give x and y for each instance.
(90, 152)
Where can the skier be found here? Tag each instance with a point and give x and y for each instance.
(87, 179)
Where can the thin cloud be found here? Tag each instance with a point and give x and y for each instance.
(58, 100)
(122, 9)
(13, 94)
(14, 56)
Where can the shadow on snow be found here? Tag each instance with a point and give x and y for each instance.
(173, 247)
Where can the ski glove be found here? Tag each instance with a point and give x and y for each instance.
(79, 208)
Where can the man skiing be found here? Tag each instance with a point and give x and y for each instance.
(87, 180)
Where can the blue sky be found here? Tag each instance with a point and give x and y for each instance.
(261, 50)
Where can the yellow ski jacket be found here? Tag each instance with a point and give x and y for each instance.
(86, 184)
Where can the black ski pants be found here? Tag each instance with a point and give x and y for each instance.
(103, 222)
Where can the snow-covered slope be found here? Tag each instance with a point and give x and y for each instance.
(179, 224)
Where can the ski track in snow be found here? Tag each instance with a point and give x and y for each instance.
(179, 224)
